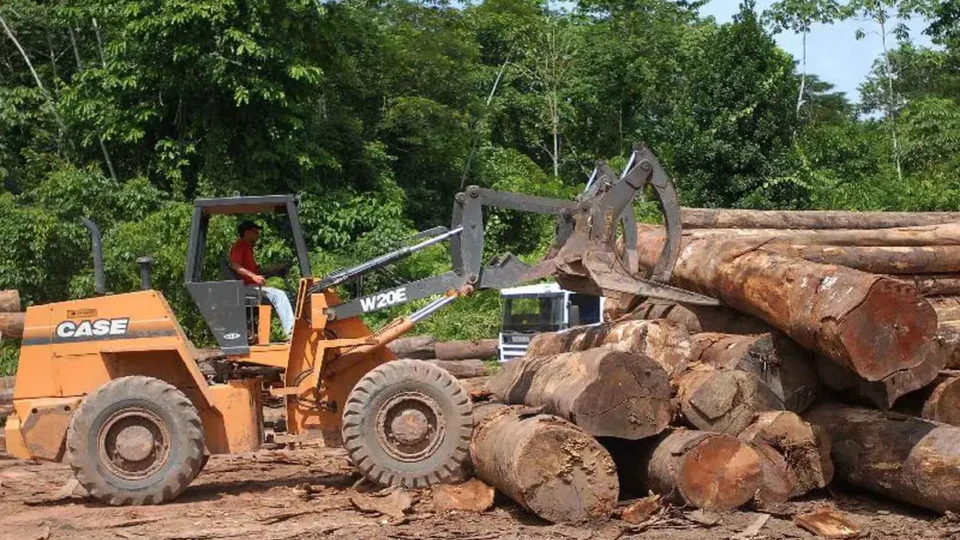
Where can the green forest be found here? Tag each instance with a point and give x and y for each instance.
(376, 113)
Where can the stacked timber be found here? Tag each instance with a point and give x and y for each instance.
(11, 316)
(463, 359)
(828, 321)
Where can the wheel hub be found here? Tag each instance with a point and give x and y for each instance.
(133, 443)
(410, 426)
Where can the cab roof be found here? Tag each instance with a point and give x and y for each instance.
(245, 205)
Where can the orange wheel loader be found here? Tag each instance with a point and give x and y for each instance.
(111, 384)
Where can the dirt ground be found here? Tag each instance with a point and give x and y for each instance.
(310, 493)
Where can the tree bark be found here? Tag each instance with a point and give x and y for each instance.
(545, 464)
(10, 301)
(712, 218)
(419, 347)
(878, 259)
(11, 325)
(805, 448)
(462, 369)
(467, 349)
(667, 343)
(427, 348)
(722, 400)
(686, 467)
(933, 284)
(784, 367)
(899, 456)
(697, 319)
(604, 391)
(876, 326)
(777, 482)
(947, 308)
(943, 234)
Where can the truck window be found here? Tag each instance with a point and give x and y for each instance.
(589, 307)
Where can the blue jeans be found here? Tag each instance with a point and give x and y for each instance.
(281, 304)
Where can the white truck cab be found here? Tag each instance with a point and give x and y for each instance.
(545, 307)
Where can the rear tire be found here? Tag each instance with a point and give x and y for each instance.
(135, 440)
(408, 423)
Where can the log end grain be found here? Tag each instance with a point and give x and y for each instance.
(805, 447)
(887, 332)
(719, 473)
(722, 400)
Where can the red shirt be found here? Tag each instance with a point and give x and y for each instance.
(242, 254)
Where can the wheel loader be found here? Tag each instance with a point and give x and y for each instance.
(111, 384)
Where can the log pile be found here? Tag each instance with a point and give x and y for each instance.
(11, 316)
(832, 356)
(463, 359)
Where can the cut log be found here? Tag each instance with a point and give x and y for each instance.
(544, 463)
(467, 349)
(946, 307)
(933, 284)
(948, 337)
(876, 326)
(722, 400)
(878, 259)
(470, 496)
(419, 347)
(697, 319)
(905, 458)
(947, 234)
(805, 447)
(10, 301)
(777, 481)
(784, 367)
(697, 468)
(939, 401)
(11, 325)
(462, 369)
(712, 218)
(607, 392)
(667, 343)
(886, 392)
(476, 387)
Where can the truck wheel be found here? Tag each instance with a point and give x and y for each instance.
(135, 440)
(408, 423)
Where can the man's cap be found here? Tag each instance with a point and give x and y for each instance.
(245, 226)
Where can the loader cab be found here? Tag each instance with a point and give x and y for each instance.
(226, 304)
(545, 307)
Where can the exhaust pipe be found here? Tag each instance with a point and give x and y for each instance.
(99, 283)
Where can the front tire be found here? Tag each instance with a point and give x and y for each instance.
(135, 440)
(408, 423)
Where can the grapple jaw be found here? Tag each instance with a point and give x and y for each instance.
(599, 256)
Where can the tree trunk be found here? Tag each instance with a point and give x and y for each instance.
(947, 308)
(945, 234)
(545, 464)
(805, 447)
(878, 259)
(467, 349)
(883, 393)
(875, 325)
(686, 467)
(722, 400)
(604, 391)
(714, 218)
(462, 369)
(667, 343)
(899, 456)
(785, 368)
(419, 347)
(943, 403)
(11, 325)
(698, 319)
(10, 301)
(934, 284)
